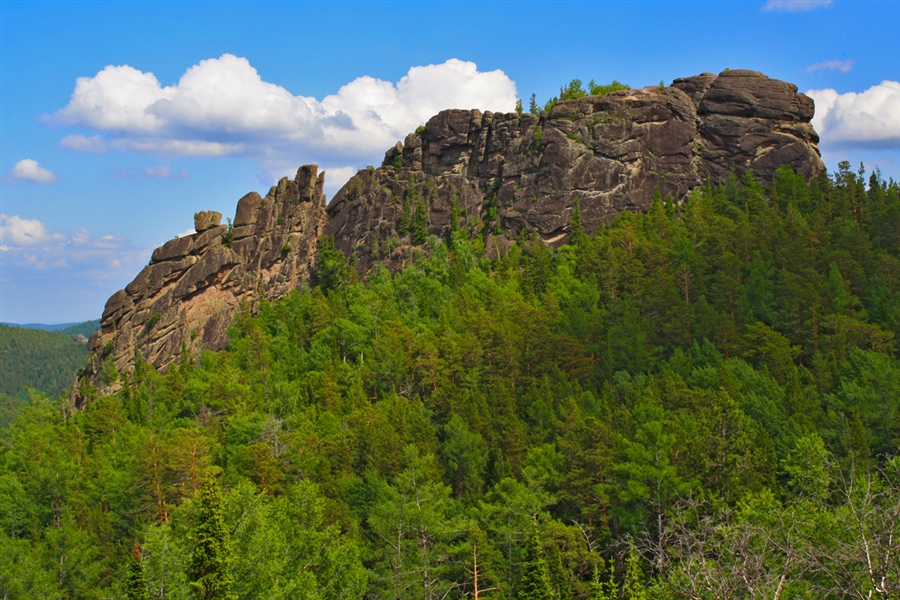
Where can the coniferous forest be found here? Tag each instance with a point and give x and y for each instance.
(702, 401)
(45, 361)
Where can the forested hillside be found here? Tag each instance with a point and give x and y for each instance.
(41, 359)
(700, 401)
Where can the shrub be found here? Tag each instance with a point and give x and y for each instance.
(602, 90)
(229, 234)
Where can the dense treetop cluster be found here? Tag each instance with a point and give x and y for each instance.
(43, 360)
(699, 401)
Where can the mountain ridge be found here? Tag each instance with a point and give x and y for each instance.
(490, 174)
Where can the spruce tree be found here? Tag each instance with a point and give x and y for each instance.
(135, 583)
(576, 227)
(535, 576)
(210, 568)
(419, 226)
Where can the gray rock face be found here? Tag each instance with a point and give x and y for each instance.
(494, 175)
(185, 299)
(753, 122)
(507, 172)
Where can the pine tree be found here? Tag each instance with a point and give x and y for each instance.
(210, 568)
(535, 575)
(332, 271)
(135, 582)
(419, 227)
(576, 227)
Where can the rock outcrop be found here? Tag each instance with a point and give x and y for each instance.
(492, 174)
(506, 172)
(186, 298)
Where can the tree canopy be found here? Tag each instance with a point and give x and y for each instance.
(700, 401)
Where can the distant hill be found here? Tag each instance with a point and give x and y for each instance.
(86, 328)
(31, 356)
(43, 326)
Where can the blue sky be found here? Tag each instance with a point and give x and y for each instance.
(120, 120)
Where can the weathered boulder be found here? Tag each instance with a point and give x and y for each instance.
(206, 219)
(750, 121)
(247, 209)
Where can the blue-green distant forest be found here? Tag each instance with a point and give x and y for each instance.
(42, 357)
(702, 401)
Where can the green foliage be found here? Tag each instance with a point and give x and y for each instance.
(602, 90)
(576, 227)
(228, 238)
(43, 360)
(536, 584)
(211, 561)
(714, 382)
(575, 89)
(634, 587)
(332, 271)
(86, 328)
(419, 225)
(135, 581)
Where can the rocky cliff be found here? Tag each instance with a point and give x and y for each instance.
(508, 172)
(492, 174)
(185, 299)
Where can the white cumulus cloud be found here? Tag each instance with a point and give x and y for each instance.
(51, 275)
(165, 172)
(869, 118)
(18, 232)
(81, 143)
(157, 172)
(28, 244)
(222, 107)
(843, 66)
(795, 5)
(29, 170)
